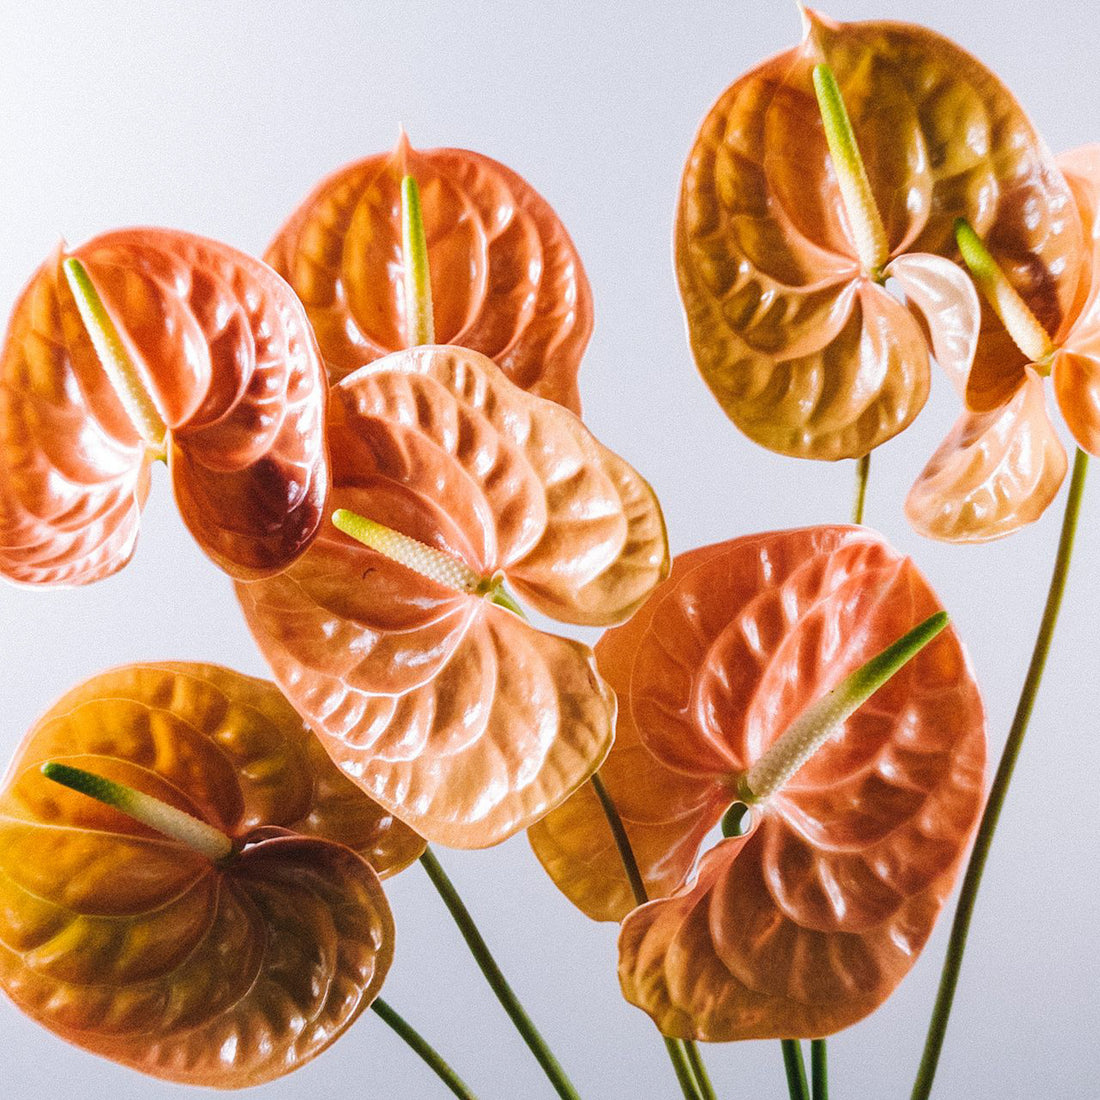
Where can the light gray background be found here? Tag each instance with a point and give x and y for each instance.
(218, 118)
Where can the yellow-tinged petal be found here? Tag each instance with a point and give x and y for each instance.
(136, 947)
(994, 473)
(764, 253)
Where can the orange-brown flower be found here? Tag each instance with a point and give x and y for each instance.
(806, 924)
(223, 359)
(139, 948)
(451, 711)
(1002, 463)
(506, 279)
(789, 320)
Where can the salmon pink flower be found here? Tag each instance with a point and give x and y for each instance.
(808, 922)
(146, 344)
(506, 279)
(402, 649)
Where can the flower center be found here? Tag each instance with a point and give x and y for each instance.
(436, 565)
(821, 720)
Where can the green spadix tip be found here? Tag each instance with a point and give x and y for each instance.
(972, 248)
(167, 820)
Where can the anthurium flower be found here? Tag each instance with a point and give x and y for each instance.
(809, 921)
(1002, 463)
(227, 968)
(446, 707)
(506, 279)
(792, 217)
(149, 343)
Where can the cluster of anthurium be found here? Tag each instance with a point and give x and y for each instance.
(192, 858)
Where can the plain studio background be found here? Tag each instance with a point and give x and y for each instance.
(219, 118)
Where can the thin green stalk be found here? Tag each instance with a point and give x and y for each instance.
(678, 1057)
(863, 468)
(497, 982)
(796, 1069)
(682, 1053)
(702, 1078)
(422, 1047)
(819, 1068)
(956, 945)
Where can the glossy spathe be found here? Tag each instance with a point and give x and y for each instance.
(506, 279)
(136, 947)
(805, 350)
(225, 354)
(455, 714)
(808, 923)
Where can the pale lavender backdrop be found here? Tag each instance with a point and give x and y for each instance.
(218, 118)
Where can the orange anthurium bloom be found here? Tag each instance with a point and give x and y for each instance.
(1002, 463)
(506, 279)
(789, 320)
(808, 923)
(217, 355)
(141, 949)
(451, 711)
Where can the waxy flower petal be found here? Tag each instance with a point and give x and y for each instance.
(136, 947)
(809, 922)
(506, 278)
(995, 471)
(227, 357)
(803, 350)
(458, 717)
(1002, 463)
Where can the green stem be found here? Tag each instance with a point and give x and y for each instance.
(702, 1078)
(684, 1075)
(956, 945)
(682, 1053)
(419, 321)
(494, 976)
(422, 1047)
(863, 468)
(796, 1069)
(819, 1068)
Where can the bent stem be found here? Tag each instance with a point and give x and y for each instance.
(682, 1053)
(796, 1069)
(495, 977)
(871, 244)
(960, 927)
(422, 1047)
(114, 358)
(144, 808)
